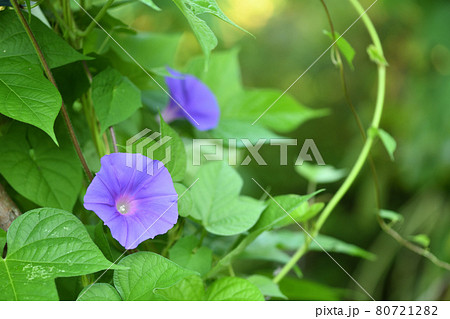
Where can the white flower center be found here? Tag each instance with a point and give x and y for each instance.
(122, 209)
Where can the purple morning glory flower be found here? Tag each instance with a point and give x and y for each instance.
(134, 196)
(199, 103)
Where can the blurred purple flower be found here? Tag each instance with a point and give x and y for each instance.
(200, 104)
(133, 203)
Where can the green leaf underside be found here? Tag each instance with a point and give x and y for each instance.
(115, 98)
(27, 96)
(202, 31)
(191, 9)
(147, 273)
(99, 292)
(39, 170)
(217, 202)
(44, 244)
(210, 6)
(233, 289)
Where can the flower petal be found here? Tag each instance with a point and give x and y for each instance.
(144, 186)
(196, 99)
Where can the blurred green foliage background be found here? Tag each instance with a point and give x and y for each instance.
(288, 38)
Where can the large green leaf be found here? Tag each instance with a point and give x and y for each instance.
(115, 98)
(44, 244)
(146, 274)
(99, 292)
(217, 202)
(188, 289)
(187, 254)
(26, 95)
(233, 289)
(283, 116)
(14, 42)
(36, 168)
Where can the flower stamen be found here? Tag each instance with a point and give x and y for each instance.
(122, 209)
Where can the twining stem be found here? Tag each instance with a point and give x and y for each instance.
(352, 108)
(89, 112)
(364, 152)
(418, 250)
(49, 74)
(386, 228)
(341, 71)
(60, 20)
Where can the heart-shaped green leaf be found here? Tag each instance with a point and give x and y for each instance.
(44, 244)
(217, 202)
(146, 274)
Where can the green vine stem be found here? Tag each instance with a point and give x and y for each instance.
(49, 74)
(113, 139)
(97, 18)
(91, 117)
(62, 23)
(386, 228)
(362, 156)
